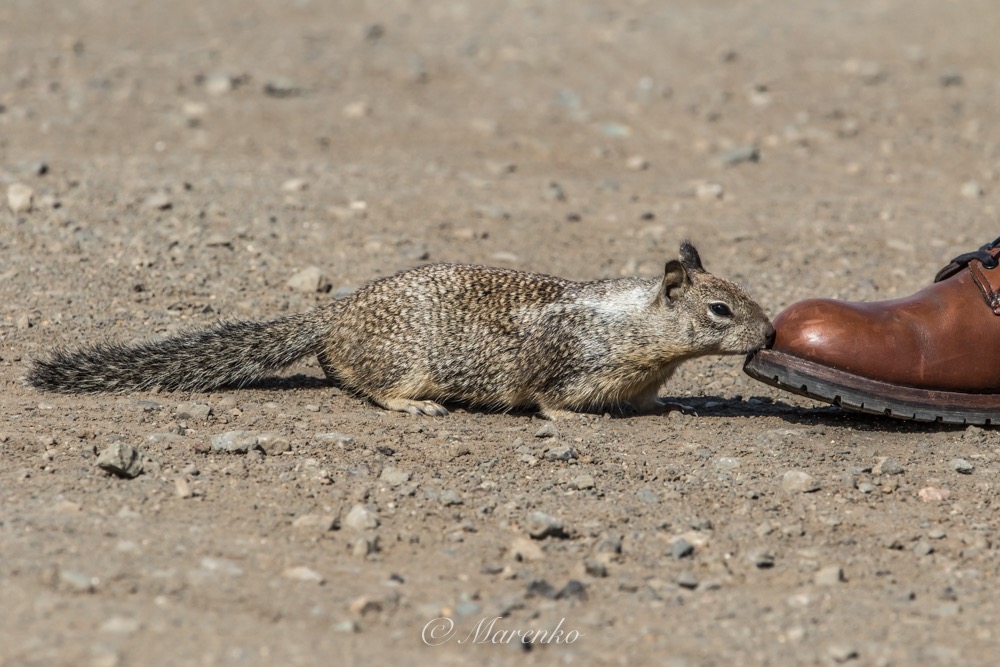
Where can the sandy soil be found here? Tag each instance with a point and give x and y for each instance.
(186, 159)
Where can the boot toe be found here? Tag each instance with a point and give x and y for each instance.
(824, 331)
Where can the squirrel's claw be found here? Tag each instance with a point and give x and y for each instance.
(670, 406)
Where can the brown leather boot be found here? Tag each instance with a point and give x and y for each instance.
(933, 356)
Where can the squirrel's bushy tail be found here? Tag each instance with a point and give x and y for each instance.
(227, 354)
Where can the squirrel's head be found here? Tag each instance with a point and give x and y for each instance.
(718, 316)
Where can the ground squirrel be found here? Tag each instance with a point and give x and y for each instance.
(483, 336)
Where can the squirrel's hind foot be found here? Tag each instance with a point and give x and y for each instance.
(429, 408)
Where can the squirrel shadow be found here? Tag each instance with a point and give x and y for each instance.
(703, 406)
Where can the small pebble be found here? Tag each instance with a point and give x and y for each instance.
(542, 525)
(962, 466)
(316, 523)
(706, 191)
(616, 130)
(886, 465)
(450, 497)
(923, 548)
(831, 575)
(345, 626)
(181, 488)
(120, 625)
(295, 185)
(687, 579)
(595, 568)
(355, 110)
(222, 566)
(548, 430)
(522, 549)
(799, 481)
(560, 453)
(20, 198)
(121, 459)
(219, 83)
(637, 163)
(842, 653)
(303, 573)
(281, 88)
(762, 559)
(739, 155)
(234, 442)
(540, 588)
(946, 610)
(309, 279)
(648, 496)
(681, 548)
(972, 190)
(193, 410)
(360, 518)
(273, 444)
(365, 605)
(340, 439)
(158, 201)
(77, 582)
(573, 590)
(554, 192)
(363, 546)
(394, 476)
(582, 482)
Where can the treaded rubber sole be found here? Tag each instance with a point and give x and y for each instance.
(854, 392)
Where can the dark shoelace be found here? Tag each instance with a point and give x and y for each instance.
(982, 255)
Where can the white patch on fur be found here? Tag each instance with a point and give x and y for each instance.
(619, 302)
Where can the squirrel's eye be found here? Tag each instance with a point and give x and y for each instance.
(721, 309)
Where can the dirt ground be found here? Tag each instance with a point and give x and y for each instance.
(186, 159)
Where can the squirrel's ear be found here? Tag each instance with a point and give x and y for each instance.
(690, 257)
(675, 282)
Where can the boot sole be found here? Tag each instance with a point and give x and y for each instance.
(854, 392)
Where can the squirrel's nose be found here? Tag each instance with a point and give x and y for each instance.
(769, 335)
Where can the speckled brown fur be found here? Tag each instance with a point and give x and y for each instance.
(491, 337)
